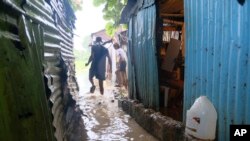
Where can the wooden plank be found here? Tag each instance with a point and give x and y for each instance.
(173, 22)
(183, 40)
(171, 6)
(171, 54)
(171, 15)
(169, 28)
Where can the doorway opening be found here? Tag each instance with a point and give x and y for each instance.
(171, 54)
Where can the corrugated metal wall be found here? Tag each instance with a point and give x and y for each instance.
(36, 45)
(142, 61)
(217, 59)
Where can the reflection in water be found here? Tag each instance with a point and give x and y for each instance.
(104, 120)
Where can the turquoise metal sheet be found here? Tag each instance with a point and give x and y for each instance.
(142, 63)
(217, 59)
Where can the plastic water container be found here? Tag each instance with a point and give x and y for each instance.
(201, 119)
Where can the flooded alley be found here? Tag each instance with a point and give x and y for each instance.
(186, 65)
(103, 119)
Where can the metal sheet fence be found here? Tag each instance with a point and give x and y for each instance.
(217, 59)
(142, 63)
(36, 41)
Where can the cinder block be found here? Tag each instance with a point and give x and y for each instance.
(162, 127)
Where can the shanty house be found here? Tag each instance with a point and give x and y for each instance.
(211, 59)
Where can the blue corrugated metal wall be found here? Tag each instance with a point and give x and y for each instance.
(217, 59)
(142, 63)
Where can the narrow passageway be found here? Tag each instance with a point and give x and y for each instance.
(103, 119)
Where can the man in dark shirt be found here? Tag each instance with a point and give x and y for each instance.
(98, 65)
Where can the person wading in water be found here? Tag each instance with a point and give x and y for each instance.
(98, 65)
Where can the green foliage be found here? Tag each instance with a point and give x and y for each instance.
(124, 26)
(82, 56)
(111, 13)
(86, 41)
(76, 4)
(110, 29)
(98, 2)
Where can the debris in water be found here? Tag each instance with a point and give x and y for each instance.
(141, 136)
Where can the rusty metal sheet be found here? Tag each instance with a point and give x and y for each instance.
(172, 6)
(23, 102)
(35, 36)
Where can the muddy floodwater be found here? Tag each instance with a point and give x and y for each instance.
(103, 119)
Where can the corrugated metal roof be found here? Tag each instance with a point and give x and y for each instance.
(132, 7)
(102, 33)
(217, 59)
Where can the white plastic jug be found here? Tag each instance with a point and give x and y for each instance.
(201, 119)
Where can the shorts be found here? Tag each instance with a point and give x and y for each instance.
(123, 65)
(94, 72)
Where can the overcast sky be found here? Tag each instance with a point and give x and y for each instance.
(89, 20)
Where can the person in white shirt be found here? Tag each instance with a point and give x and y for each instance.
(121, 75)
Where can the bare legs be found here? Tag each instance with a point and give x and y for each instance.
(124, 79)
(91, 81)
(121, 77)
(101, 86)
(92, 89)
(118, 78)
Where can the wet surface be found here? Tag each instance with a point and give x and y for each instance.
(104, 120)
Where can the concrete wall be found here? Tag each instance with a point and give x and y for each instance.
(162, 127)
